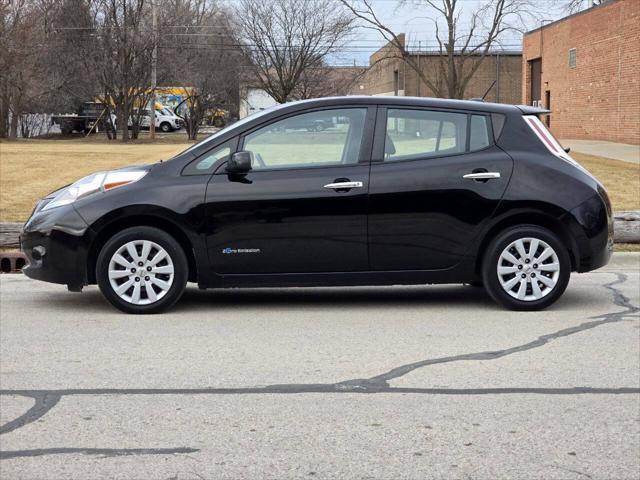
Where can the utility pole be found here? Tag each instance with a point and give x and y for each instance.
(497, 76)
(154, 68)
(418, 79)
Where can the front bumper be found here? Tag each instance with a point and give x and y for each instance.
(64, 260)
(55, 244)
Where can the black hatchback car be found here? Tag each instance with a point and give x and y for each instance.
(398, 191)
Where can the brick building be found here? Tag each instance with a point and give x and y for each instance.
(390, 75)
(586, 68)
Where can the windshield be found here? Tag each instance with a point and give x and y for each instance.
(212, 138)
(166, 111)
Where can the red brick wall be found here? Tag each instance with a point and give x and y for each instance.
(600, 98)
(510, 88)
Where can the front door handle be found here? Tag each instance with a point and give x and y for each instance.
(343, 185)
(482, 175)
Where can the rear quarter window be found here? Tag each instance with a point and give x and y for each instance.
(478, 133)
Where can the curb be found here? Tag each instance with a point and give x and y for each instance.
(9, 235)
(626, 227)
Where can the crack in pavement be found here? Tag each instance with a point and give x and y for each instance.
(45, 400)
(103, 452)
(618, 299)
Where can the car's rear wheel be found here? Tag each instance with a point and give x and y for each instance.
(526, 268)
(142, 270)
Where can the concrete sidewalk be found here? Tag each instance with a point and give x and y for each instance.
(600, 148)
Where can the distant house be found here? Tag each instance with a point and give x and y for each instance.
(390, 75)
(586, 69)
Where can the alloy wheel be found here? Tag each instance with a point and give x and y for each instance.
(141, 272)
(528, 269)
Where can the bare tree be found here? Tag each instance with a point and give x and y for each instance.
(285, 38)
(574, 6)
(200, 54)
(70, 54)
(101, 50)
(124, 44)
(462, 45)
(327, 81)
(19, 61)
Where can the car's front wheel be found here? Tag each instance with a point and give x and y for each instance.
(526, 268)
(142, 270)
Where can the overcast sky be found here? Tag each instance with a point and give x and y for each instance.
(410, 20)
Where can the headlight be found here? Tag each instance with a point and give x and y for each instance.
(101, 181)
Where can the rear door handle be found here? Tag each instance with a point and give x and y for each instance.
(482, 175)
(343, 185)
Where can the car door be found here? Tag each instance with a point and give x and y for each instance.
(436, 178)
(302, 206)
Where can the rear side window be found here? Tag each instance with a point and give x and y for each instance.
(413, 134)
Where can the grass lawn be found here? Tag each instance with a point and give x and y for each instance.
(621, 179)
(626, 247)
(32, 168)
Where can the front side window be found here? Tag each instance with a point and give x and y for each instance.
(314, 139)
(414, 134)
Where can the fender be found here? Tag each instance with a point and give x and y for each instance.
(188, 235)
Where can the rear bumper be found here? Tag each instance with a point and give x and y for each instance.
(591, 225)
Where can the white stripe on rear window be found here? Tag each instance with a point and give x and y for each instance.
(550, 142)
(547, 139)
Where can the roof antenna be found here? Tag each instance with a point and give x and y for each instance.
(488, 89)
(485, 93)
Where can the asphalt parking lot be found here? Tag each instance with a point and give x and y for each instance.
(384, 383)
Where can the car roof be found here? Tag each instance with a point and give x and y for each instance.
(269, 114)
(475, 105)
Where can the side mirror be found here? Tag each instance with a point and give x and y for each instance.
(240, 162)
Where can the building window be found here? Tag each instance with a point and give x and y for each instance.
(572, 58)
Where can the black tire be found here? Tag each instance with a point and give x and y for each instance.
(165, 127)
(491, 258)
(161, 238)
